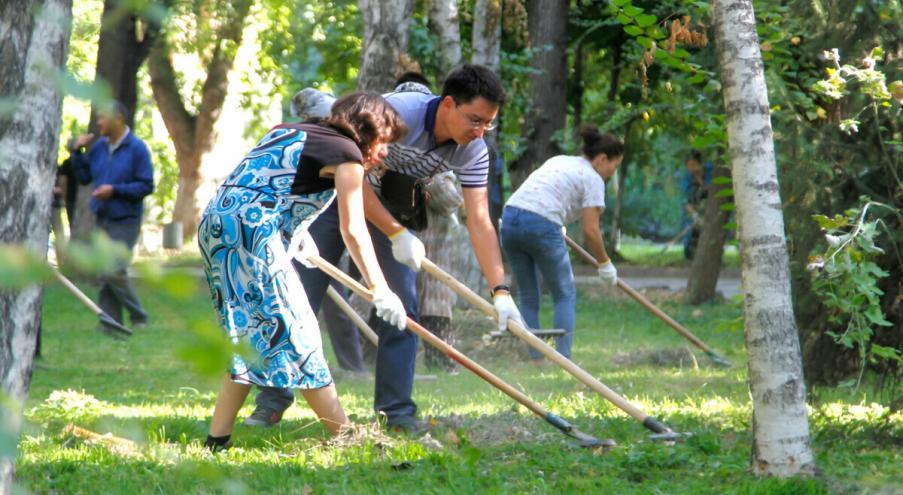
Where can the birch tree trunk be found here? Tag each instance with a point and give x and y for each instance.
(34, 39)
(487, 33)
(444, 21)
(194, 135)
(386, 25)
(780, 426)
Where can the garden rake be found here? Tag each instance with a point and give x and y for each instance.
(646, 303)
(583, 439)
(660, 431)
(106, 321)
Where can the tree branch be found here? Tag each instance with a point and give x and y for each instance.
(216, 85)
(180, 124)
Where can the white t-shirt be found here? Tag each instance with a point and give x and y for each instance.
(560, 189)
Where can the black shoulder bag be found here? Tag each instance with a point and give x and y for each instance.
(403, 196)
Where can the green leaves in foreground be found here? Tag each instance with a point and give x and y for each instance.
(20, 267)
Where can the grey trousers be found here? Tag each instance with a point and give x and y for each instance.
(116, 290)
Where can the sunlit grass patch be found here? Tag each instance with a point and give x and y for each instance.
(480, 440)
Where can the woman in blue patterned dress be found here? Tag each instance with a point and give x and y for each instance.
(257, 223)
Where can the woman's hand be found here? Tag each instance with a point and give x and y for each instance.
(389, 307)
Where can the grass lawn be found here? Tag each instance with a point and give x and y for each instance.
(149, 389)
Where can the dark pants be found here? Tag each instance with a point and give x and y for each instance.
(397, 350)
(116, 290)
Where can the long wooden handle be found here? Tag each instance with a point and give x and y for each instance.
(646, 303)
(426, 335)
(520, 332)
(352, 314)
(75, 290)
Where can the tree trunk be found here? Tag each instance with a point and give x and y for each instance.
(125, 40)
(33, 48)
(194, 135)
(707, 263)
(579, 86)
(444, 21)
(780, 426)
(487, 33)
(547, 20)
(385, 40)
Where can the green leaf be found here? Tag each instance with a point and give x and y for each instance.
(876, 316)
(20, 267)
(655, 32)
(633, 10)
(728, 207)
(646, 20)
(644, 42)
(829, 223)
(724, 193)
(620, 3)
(703, 141)
(721, 180)
(623, 19)
(887, 353)
(681, 53)
(696, 79)
(730, 226)
(633, 30)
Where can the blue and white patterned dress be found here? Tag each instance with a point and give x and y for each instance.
(244, 236)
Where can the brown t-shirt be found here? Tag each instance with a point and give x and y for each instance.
(324, 146)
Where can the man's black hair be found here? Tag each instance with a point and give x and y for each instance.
(695, 155)
(474, 81)
(412, 76)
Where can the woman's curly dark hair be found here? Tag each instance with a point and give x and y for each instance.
(365, 116)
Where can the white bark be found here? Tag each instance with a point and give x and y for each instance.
(28, 148)
(780, 425)
(487, 33)
(444, 20)
(385, 40)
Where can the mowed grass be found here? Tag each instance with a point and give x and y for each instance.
(148, 390)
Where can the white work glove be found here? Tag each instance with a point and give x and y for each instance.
(608, 273)
(389, 307)
(564, 231)
(302, 247)
(407, 249)
(505, 307)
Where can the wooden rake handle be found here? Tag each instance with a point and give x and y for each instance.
(522, 333)
(426, 335)
(652, 308)
(352, 314)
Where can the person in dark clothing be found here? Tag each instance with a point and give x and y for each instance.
(119, 165)
(696, 182)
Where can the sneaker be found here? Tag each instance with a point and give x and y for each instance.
(263, 416)
(138, 325)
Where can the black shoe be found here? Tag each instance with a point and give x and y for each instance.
(408, 426)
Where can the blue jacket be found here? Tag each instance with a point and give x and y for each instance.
(127, 169)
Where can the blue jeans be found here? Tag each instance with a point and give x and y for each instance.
(534, 245)
(397, 350)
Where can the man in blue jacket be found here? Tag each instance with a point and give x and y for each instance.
(119, 165)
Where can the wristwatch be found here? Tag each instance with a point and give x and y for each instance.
(500, 287)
